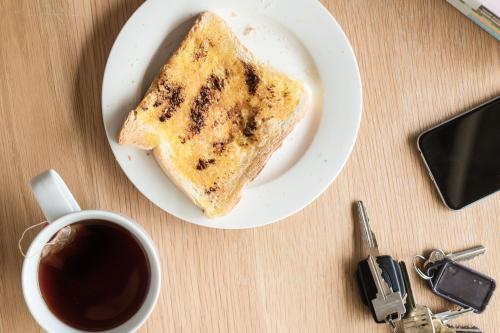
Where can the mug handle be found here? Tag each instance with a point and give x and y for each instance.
(53, 196)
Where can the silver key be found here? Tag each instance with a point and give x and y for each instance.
(370, 245)
(438, 255)
(446, 316)
(418, 318)
(467, 329)
(387, 302)
(443, 328)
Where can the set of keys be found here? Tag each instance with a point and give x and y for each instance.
(447, 278)
(386, 288)
(420, 319)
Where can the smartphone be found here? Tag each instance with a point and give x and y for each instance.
(462, 155)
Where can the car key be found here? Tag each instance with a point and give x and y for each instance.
(446, 316)
(418, 318)
(460, 284)
(440, 321)
(442, 328)
(379, 277)
(472, 329)
(439, 255)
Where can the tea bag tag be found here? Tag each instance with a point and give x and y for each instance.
(19, 242)
(61, 238)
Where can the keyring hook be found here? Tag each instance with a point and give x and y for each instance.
(418, 270)
(392, 324)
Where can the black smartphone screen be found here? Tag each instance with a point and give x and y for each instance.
(463, 155)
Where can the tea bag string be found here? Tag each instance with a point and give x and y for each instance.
(19, 245)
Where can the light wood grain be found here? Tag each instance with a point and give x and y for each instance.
(420, 61)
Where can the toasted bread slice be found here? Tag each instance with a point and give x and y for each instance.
(214, 116)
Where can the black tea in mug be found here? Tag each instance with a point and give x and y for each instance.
(96, 278)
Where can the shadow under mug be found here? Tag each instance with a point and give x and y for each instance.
(61, 209)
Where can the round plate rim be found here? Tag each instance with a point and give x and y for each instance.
(355, 105)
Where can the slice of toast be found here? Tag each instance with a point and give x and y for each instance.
(214, 116)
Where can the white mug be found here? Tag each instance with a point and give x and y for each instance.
(61, 209)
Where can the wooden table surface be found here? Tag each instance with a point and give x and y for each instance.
(421, 62)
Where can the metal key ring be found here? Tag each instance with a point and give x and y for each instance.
(392, 324)
(419, 272)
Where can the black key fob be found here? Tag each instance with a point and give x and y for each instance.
(461, 285)
(391, 273)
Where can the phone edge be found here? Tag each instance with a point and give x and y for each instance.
(429, 172)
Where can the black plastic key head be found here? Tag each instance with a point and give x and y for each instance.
(461, 285)
(391, 273)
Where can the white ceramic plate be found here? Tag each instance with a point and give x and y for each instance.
(298, 37)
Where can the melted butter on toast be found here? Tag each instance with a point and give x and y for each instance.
(215, 106)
